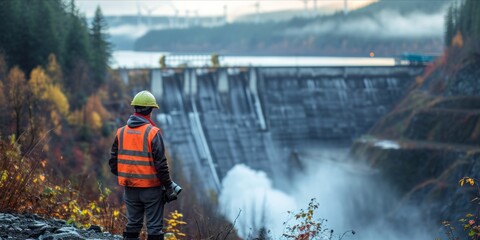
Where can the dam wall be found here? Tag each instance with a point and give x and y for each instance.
(215, 118)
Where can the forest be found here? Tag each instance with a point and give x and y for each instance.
(60, 106)
(53, 71)
(61, 103)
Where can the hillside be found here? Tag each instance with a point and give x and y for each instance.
(435, 131)
(389, 28)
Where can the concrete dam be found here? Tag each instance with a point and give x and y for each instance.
(215, 118)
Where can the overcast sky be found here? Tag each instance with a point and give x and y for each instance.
(204, 7)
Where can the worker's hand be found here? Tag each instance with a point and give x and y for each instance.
(170, 195)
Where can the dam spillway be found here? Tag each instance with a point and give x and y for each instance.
(214, 118)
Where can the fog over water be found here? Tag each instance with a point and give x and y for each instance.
(385, 24)
(350, 198)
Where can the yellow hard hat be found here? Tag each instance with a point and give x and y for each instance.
(144, 99)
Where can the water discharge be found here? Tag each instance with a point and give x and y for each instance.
(350, 198)
(250, 193)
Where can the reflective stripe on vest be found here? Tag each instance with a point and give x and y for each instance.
(135, 160)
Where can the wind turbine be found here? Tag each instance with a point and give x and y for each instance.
(149, 14)
(225, 13)
(246, 10)
(345, 7)
(172, 21)
(196, 20)
(187, 18)
(139, 15)
(305, 7)
(257, 12)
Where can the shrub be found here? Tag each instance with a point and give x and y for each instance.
(27, 187)
(306, 226)
(471, 222)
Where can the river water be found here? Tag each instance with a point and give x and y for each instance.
(134, 59)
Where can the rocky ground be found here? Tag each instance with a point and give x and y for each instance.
(13, 226)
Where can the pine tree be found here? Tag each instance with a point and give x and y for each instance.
(476, 20)
(12, 29)
(463, 17)
(77, 57)
(101, 48)
(466, 18)
(77, 39)
(449, 27)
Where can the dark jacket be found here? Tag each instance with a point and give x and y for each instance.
(158, 152)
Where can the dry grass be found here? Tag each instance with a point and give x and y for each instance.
(28, 187)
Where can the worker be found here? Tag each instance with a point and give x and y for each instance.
(138, 159)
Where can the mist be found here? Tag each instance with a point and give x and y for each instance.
(250, 196)
(350, 197)
(133, 31)
(385, 24)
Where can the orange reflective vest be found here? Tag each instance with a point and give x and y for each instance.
(135, 160)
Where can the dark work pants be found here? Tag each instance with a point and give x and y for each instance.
(148, 202)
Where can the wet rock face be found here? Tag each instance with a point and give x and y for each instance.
(427, 174)
(13, 226)
(465, 83)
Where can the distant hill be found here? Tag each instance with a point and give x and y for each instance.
(125, 29)
(285, 15)
(406, 6)
(388, 28)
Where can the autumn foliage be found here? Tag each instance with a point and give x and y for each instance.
(39, 172)
(48, 167)
(27, 187)
(470, 223)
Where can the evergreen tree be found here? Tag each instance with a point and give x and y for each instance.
(12, 28)
(476, 21)
(77, 57)
(449, 27)
(463, 17)
(77, 39)
(101, 49)
(31, 30)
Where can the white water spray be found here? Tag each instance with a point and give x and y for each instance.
(251, 192)
(349, 198)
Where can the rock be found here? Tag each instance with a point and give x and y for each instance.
(62, 236)
(37, 225)
(95, 228)
(11, 217)
(38, 232)
(51, 229)
(66, 230)
(69, 236)
(60, 221)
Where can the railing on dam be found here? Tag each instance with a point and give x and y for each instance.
(214, 118)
